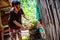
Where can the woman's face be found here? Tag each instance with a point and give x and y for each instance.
(18, 6)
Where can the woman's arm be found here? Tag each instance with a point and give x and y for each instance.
(19, 25)
(25, 16)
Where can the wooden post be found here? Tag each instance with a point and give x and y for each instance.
(1, 26)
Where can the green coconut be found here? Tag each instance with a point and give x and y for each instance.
(32, 24)
(24, 38)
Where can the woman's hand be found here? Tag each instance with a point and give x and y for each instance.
(23, 27)
(25, 17)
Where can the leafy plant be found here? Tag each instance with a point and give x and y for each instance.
(29, 9)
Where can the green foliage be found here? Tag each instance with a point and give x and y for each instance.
(29, 9)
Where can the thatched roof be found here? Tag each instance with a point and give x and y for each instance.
(4, 4)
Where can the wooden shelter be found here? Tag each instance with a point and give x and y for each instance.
(4, 3)
(4, 8)
(4, 14)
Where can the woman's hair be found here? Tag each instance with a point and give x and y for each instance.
(14, 3)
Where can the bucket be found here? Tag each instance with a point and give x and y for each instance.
(25, 34)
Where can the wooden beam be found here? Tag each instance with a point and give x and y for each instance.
(0, 20)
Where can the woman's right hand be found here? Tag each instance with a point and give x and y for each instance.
(23, 27)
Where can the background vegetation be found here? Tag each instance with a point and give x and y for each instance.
(29, 8)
